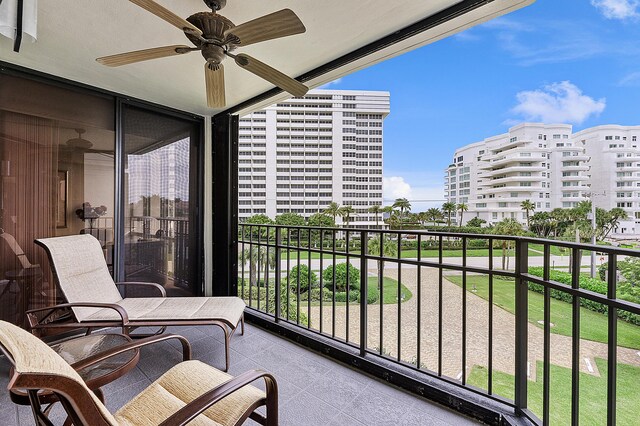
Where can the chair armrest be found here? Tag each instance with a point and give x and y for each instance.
(36, 324)
(99, 357)
(206, 400)
(158, 287)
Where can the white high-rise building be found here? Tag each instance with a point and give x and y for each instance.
(550, 166)
(304, 153)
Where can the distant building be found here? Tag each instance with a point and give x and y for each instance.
(551, 166)
(300, 155)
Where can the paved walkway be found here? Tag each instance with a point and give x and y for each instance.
(477, 330)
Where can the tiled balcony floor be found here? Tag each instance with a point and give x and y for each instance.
(313, 390)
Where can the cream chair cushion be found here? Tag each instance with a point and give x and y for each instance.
(181, 385)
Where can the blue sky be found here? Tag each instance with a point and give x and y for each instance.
(568, 61)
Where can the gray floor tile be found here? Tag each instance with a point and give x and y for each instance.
(306, 410)
(336, 390)
(343, 419)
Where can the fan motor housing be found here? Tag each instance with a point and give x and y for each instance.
(213, 27)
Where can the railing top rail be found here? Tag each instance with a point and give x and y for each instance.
(534, 240)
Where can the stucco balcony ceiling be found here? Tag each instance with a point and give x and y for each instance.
(72, 34)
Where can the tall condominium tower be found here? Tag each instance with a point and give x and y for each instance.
(550, 166)
(304, 153)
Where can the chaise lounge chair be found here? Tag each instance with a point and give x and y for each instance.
(189, 391)
(80, 269)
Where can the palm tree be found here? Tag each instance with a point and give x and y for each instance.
(448, 208)
(434, 214)
(346, 212)
(376, 210)
(462, 207)
(258, 256)
(528, 206)
(403, 204)
(333, 210)
(389, 249)
(507, 226)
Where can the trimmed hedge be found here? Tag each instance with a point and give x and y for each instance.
(586, 283)
(291, 308)
(354, 295)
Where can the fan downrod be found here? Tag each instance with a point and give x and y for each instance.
(215, 4)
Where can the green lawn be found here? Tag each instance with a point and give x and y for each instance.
(593, 325)
(593, 393)
(390, 290)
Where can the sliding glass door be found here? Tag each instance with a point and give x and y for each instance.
(161, 201)
(58, 177)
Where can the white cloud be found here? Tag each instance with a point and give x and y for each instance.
(427, 193)
(395, 187)
(617, 9)
(560, 102)
(632, 79)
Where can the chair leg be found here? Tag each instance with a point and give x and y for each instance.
(226, 349)
(242, 324)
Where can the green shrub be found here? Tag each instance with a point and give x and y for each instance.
(591, 284)
(341, 277)
(289, 310)
(341, 296)
(303, 275)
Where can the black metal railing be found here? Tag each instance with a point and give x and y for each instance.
(448, 327)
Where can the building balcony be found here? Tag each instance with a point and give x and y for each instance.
(486, 173)
(508, 179)
(574, 178)
(514, 188)
(579, 168)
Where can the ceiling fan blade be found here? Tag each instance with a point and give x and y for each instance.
(143, 55)
(275, 25)
(214, 79)
(164, 13)
(270, 74)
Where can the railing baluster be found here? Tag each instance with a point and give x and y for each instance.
(308, 279)
(320, 278)
(278, 273)
(612, 344)
(575, 339)
(259, 263)
(440, 301)
(363, 291)
(288, 272)
(266, 270)
(242, 253)
(299, 253)
(521, 325)
(333, 299)
(546, 346)
(399, 297)
(381, 284)
(464, 311)
(419, 301)
(348, 267)
(490, 325)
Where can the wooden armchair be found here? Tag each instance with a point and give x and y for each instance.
(190, 391)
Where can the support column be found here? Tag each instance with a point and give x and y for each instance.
(224, 196)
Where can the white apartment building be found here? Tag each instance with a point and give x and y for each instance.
(300, 155)
(551, 166)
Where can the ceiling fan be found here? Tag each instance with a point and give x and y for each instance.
(216, 37)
